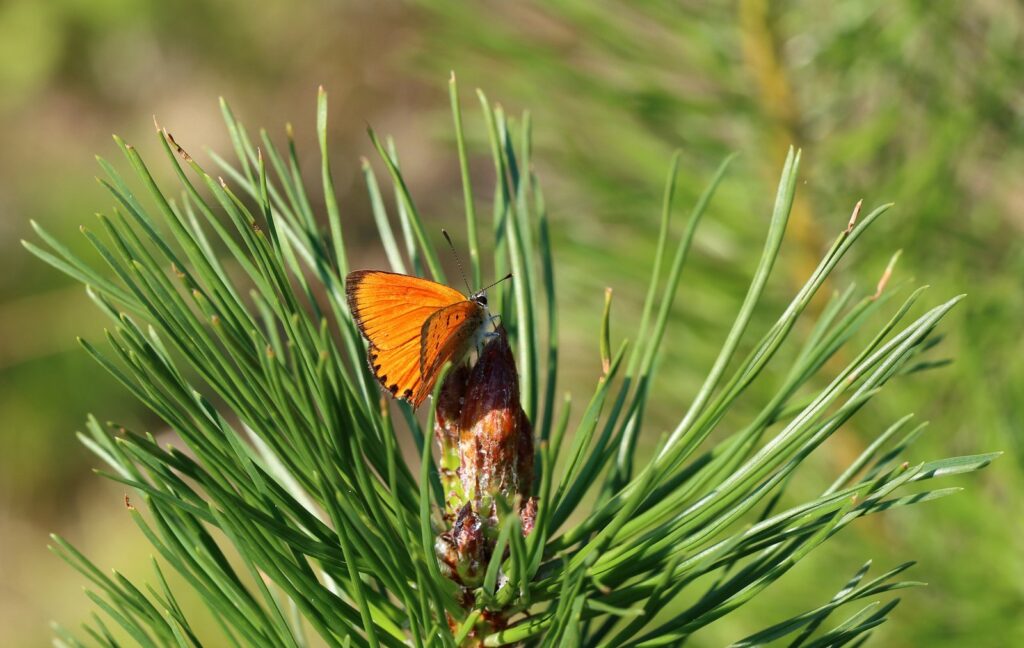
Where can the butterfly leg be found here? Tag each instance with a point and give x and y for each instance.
(486, 333)
(493, 333)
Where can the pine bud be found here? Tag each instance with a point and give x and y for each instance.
(495, 437)
(486, 457)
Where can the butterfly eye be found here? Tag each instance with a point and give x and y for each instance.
(482, 300)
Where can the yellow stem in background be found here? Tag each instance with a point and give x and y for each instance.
(761, 53)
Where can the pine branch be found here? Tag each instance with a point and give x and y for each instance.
(229, 321)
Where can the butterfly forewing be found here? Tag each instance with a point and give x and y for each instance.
(413, 326)
(398, 370)
(390, 308)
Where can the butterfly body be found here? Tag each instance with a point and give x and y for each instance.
(414, 326)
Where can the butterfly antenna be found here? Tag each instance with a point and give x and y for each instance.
(458, 261)
(508, 276)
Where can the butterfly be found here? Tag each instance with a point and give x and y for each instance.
(414, 326)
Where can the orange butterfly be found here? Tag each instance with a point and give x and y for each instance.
(414, 326)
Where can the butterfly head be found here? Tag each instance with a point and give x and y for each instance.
(480, 296)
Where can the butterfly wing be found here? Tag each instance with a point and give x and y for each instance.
(391, 308)
(446, 336)
(391, 311)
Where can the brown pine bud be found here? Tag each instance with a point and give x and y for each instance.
(495, 437)
(486, 463)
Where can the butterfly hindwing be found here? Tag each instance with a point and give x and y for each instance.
(446, 336)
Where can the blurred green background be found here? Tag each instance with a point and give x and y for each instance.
(910, 101)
